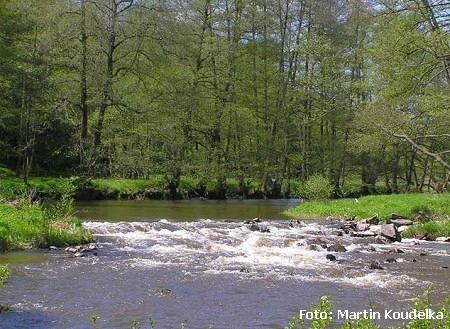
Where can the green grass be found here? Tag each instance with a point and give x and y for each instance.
(432, 228)
(28, 226)
(4, 273)
(407, 205)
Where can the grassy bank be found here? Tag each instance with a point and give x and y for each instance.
(407, 205)
(435, 206)
(30, 226)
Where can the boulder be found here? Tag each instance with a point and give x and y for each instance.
(443, 239)
(375, 265)
(390, 231)
(401, 222)
(336, 248)
(362, 226)
(331, 257)
(375, 229)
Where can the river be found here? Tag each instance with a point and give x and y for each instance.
(196, 262)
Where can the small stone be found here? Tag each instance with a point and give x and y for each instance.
(414, 260)
(396, 251)
(331, 257)
(391, 260)
(422, 253)
(53, 248)
(402, 229)
(71, 249)
(79, 254)
(4, 308)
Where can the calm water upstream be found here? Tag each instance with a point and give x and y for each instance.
(194, 261)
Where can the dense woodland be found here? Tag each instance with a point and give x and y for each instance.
(217, 89)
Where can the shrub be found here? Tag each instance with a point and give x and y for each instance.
(316, 187)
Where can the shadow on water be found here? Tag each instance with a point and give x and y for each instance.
(28, 319)
(183, 210)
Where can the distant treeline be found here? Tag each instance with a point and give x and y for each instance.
(356, 91)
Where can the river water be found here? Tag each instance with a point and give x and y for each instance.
(196, 262)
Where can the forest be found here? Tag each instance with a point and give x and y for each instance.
(357, 91)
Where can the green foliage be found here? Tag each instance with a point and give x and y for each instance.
(317, 187)
(4, 273)
(407, 205)
(325, 305)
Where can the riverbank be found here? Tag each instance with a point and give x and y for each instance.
(26, 226)
(430, 212)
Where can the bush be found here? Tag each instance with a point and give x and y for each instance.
(316, 187)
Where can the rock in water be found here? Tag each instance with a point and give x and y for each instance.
(390, 231)
(253, 221)
(391, 260)
(375, 265)
(337, 248)
(331, 257)
(382, 240)
(295, 223)
(259, 228)
(443, 239)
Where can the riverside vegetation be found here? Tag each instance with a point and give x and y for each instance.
(25, 222)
